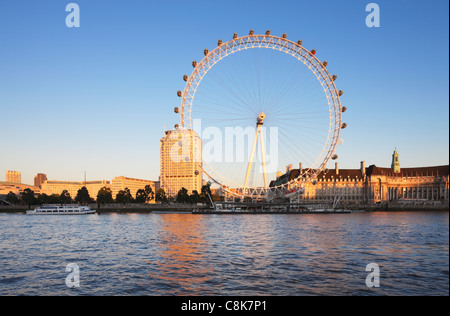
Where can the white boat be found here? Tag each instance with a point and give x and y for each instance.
(61, 210)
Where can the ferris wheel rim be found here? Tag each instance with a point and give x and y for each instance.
(289, 47)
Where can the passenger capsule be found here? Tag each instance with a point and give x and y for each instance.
(334, 77)
(176, 126)
(325, 63)
(197, 172)
(344, 108)
(344, 125)
(299, 42)
(176, 110)
(334, 157)
(341, 92)
(313, 52)
(251, 33)
(235, 36)
(179, 93)
(186, 158)
(206, 51)
(268, 32)
(180, 143)
(219, 42)
(194, 64)
(284, 35)
(185, 77)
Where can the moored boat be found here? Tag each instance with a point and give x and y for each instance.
(61, 210)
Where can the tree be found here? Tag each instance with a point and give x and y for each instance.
(83, 196)
(124, 196)
(104, 196)
(194, 197)
(149, 193)
(120, 197)
(48, 199)
(141, 196)
(27, 197)
(160, 196)
(54, 199)
(65, 197)
(12, 198)
(42, 199)
(206, 190)
(182, 196)
(145, 195)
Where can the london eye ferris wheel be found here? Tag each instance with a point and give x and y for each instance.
(260, 103)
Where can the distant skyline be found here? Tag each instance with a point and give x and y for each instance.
(97, 98)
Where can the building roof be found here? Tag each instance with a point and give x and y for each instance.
(16, 187)
(372, 170)
(343, 173)
(409, 172)
(290, 175)
(132, 179)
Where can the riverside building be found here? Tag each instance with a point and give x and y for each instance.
(13, 176)
(122, 183)
(180, 158)
(39, 179)
(375, 185)
(14, 184)
(50, 187)
(16, 188)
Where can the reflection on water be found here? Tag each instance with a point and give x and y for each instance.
(176, 266)
(185, 254)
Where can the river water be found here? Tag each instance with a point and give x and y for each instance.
(185, 254)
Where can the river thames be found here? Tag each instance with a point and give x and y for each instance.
(165, 254)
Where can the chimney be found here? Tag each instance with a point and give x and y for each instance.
(300, 167)
(278, 174)
(337, 168)
(288, 168)
(363, 169)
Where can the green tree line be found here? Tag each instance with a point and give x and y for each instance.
(104, 196)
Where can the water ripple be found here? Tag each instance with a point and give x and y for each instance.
(184, 254)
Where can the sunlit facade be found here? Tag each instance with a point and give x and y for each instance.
(13, 176)
(181, 158)
(121, 183)
(16, 188)
(56, 187)
(373, 185)
(39, 179)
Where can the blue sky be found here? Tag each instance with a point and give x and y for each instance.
(97, 98)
